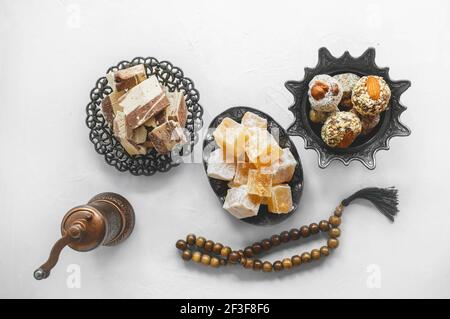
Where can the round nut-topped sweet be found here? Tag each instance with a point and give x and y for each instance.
(324, 93)
(341, 129)
(319, 117)
(371, 95)
(368, 123)
(348, 82)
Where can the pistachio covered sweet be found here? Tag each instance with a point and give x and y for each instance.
(318, 117)
(341, 129)
(348, 82)
(368, 123)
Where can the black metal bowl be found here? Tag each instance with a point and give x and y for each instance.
(264, 218)
(106, 144)
(363, 148)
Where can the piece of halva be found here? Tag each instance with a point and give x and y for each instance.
(143, 101)
(125, 79)
(166, 136)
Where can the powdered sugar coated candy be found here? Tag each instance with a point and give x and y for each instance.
(218, 168)
(251, 119)
(324, 93)
(240, 203)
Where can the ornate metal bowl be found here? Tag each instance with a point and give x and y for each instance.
(104, 142)
(264, 218)
(364, 148)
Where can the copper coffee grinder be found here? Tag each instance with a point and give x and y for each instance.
(107, 220)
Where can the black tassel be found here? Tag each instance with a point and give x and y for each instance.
(385, 199)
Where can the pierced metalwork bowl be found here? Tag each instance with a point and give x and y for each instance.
(264, 218)
(105, 143)
(364, 148)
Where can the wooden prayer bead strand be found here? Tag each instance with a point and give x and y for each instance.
(199, 250)
(245, 257)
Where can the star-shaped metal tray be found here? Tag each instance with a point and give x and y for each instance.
(364, 148)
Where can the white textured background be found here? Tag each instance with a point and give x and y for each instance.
(237, 53)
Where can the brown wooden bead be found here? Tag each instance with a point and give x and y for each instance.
(223, 262)
(315, 254)
(334, 232)
(296, 260)
(325, 251)
(187, 255)
(215, 262)
(197, 256)
(248, 252)
(217, 248)
(200, 242)
(314, 228)
(181, 244)
(242, 261)
(277, 266)
(225, 252)
(324, 226)
(287, 263)
(335, 221)
(248, 264)
(275, 240)
(209, 245)
(284, 237)
(234, 257)
(304, 231)
(306, 257)
(241, 253)
(257, 265)
(257, 248)
(338, 211)
(333, 243)
(294, 233)
(267, 266)
(190, 239)
(206, 259)
(266, 244)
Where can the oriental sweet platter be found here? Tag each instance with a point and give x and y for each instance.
(144, 116)
(347, 109)
(253, 166)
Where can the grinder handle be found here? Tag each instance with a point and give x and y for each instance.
(73, 234)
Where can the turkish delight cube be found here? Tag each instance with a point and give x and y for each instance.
(230, 136)
(251, 119)
(259, 183)
(281, 200)
(284, 169)
(218, 168)
(240, 203)
(261, 147)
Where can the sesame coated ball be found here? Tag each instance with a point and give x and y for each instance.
(341, 129)
(371, 95)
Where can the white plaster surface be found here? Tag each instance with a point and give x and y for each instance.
(237, 53)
